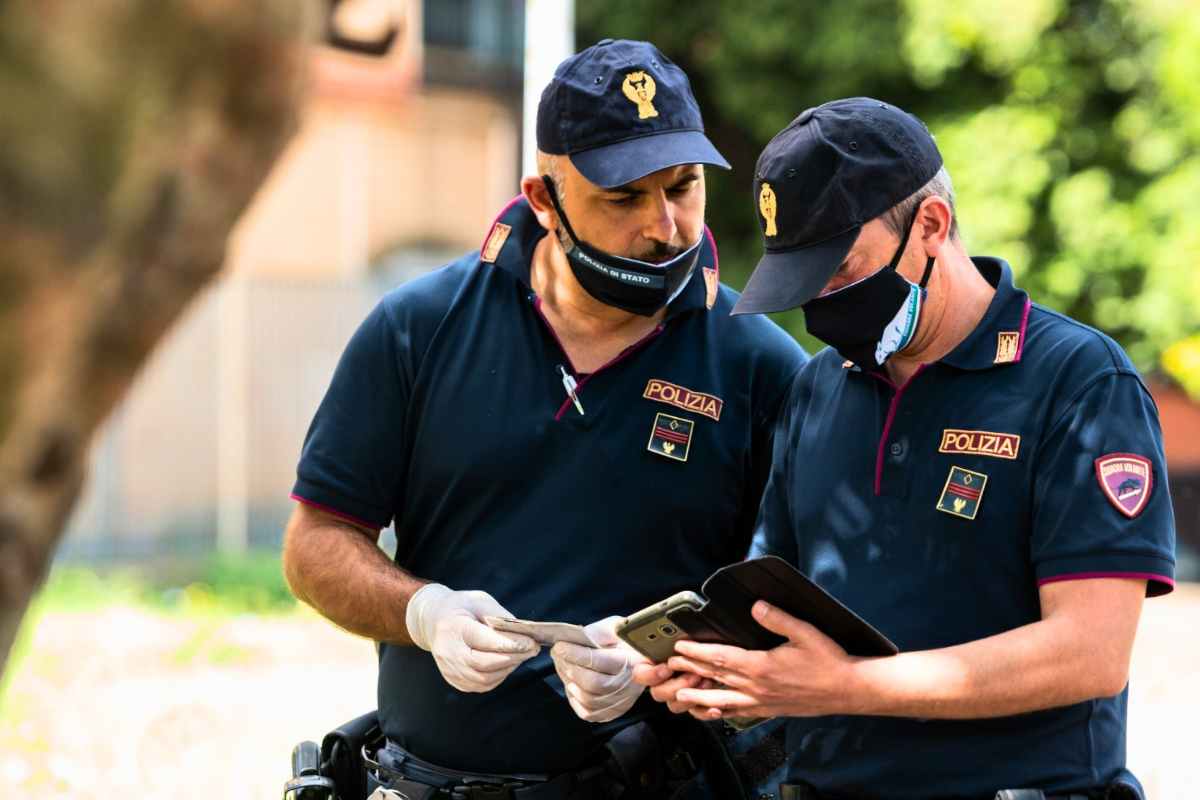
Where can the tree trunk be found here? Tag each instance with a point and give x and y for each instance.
(132, 135)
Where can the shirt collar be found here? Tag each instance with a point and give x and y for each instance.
(513, 235)
(999, 338)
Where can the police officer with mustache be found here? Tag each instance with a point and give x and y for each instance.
(564, 425)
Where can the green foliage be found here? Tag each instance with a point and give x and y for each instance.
(218, 585)
(252, 582)
(82, 589)
(1071, 129)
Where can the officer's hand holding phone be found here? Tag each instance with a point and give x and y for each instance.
(599, 680)
(470, 655)
(665, 683)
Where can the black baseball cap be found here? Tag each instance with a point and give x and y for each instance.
(621, 110)
(830, 171)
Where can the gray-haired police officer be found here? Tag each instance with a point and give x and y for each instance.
(564, 427)
(976, 475)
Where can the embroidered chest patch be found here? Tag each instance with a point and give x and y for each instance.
(980, 443)
(663, 392)
(962, 493)
(671, 436)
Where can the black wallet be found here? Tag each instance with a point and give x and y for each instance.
(731, 591)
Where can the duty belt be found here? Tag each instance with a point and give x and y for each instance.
(635, 763)
(407, 777)
(804, 791)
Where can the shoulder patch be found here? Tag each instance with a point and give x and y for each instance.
(1126, 480)
(495, 241)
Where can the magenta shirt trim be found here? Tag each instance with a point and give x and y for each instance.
(887, 425)
(340, 514)
(1024, 325)
(1079, 576)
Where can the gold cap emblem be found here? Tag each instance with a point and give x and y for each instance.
(766, 205)
(639, 87)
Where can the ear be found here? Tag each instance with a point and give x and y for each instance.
(934, 217)
(534, 190)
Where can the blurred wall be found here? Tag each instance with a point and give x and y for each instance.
(363, 178)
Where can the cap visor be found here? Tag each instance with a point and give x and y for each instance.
(624, 162)
(787, 279)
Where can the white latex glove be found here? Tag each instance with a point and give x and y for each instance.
(599, 681)
(471, 656)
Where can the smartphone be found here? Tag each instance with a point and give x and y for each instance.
(652, 632)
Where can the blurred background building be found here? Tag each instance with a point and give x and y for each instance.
(402, 160)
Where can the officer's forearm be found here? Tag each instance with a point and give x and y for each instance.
(1074, 655)
(340, 571)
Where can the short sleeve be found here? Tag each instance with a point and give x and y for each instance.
(352, 463)
(1101, 503)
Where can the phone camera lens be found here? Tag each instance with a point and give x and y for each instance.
(668, 630)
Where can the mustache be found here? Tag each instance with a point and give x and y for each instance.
(661, 251)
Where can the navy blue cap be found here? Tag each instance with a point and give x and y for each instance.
(621, 110)
(833, 169)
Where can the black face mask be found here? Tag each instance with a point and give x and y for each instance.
(872, 319)
(639, 287)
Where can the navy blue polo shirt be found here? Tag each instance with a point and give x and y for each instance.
(447, 413)
(1030, 454)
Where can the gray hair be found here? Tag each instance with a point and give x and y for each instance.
(900, 216)
(549, 165)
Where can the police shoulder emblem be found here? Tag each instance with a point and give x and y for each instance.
(1008, 344)
(671, 436)
(962, 493)
(495, 241)
(639, 87)
(1126, 480)
(711, 284)
(767, 207)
